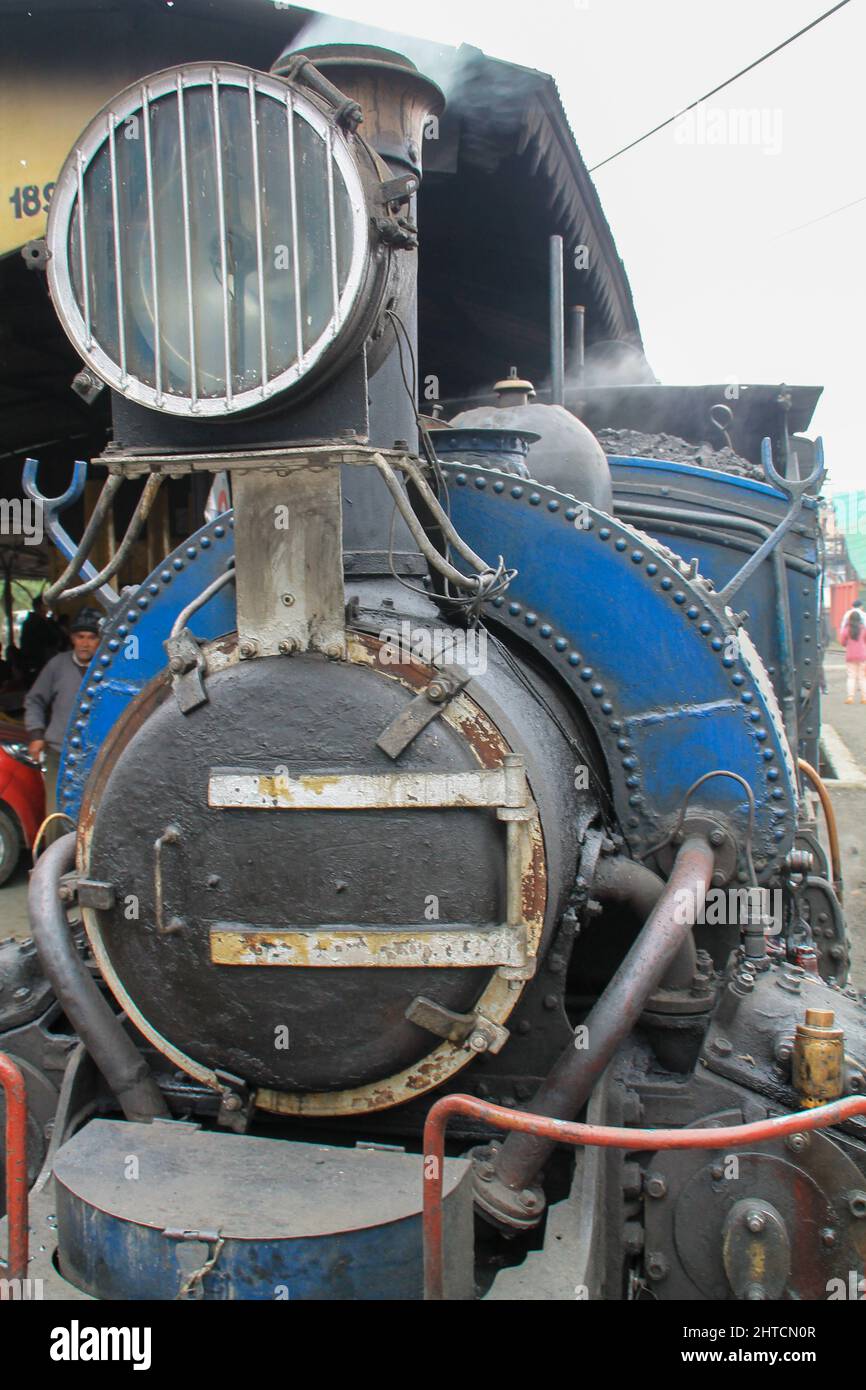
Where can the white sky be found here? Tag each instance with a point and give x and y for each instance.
(704, 228)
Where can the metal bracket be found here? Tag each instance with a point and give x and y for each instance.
(396, 192)
(756, 1250)
(36, 254)
(92, 893)
(289, 561)
(236, 1103)
(299, 69)
(400, 234)
(426, 707)
(794, 490)
(186, 663)
(51, 508)
(197, 1237)
(479, 1033)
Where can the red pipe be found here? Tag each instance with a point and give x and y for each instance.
(602, 1136)
(16, 1167)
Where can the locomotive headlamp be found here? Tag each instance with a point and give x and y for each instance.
(210, 240)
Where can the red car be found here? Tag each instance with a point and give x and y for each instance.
(22, 798)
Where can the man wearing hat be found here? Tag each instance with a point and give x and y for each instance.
(50, 701)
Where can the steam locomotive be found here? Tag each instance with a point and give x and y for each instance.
(459, 758)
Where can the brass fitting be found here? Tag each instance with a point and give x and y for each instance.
(818, 1058)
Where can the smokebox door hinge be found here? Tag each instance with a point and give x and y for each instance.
(186, 663)
(426, 707)
(481, 1034)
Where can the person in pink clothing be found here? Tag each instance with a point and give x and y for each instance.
(852, 635)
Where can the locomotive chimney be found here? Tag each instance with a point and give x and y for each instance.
(396, 101)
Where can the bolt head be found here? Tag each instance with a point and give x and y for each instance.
(828, 1238)
(478, 1042)
(796, 1142)
(756, 1221)
(655, 1186)
(857, 1203)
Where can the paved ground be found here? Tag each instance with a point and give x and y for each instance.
(13, 903)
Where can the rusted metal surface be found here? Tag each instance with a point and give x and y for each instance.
(756, 1250)
(16, 1171)
(289, 562)
(571, 1079)
(395, 98)
(359, 792)
(818, 1059)
(723, 1139)
(504, 989)
(381, 948)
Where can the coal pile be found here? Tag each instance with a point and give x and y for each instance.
(634, 444)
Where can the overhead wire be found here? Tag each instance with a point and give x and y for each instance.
(823, 218)
(721, 86)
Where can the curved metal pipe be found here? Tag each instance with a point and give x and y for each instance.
(139, 517)
(625, 883)
(100, 1030)
(717, 1140)
(201, 599)
(425, 545)
(573, 1076)
(820, 787)
(85, 545)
